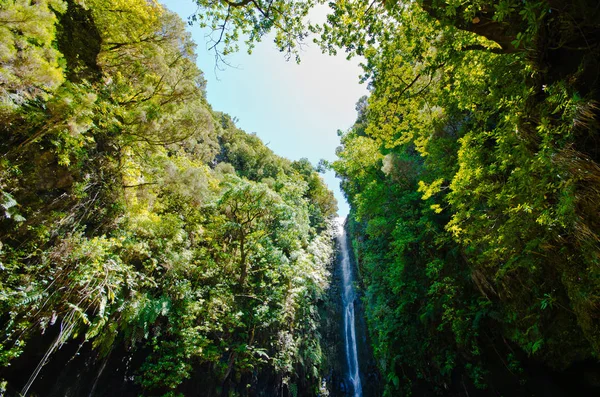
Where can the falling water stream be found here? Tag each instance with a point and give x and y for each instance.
(348, 297)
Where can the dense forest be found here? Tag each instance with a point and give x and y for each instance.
(143, 234)
(474, 179)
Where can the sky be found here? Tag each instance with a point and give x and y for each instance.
(295, 109)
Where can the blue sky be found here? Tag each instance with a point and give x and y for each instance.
(295, 109)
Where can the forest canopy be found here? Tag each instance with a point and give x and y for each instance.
(138, 226)
(472, 174)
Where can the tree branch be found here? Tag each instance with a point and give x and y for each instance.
(237, 4)
(140, 184)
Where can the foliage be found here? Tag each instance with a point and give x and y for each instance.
(229, 20)
(469, 214)
(29, 64)
(136, 219)
(471, 173)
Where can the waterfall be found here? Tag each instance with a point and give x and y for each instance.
(348, 298)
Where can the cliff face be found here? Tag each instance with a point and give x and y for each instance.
(371, 376)
(332, 333)
(332, 324)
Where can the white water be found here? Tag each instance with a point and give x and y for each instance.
(348, 297)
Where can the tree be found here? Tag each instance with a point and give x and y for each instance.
(138, 227)
(29, 64)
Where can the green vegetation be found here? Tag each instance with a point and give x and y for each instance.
(473, 177)
(472, 173)
(136, 219)
(140, 220)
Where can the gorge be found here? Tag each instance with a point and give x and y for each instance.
(151, 247)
